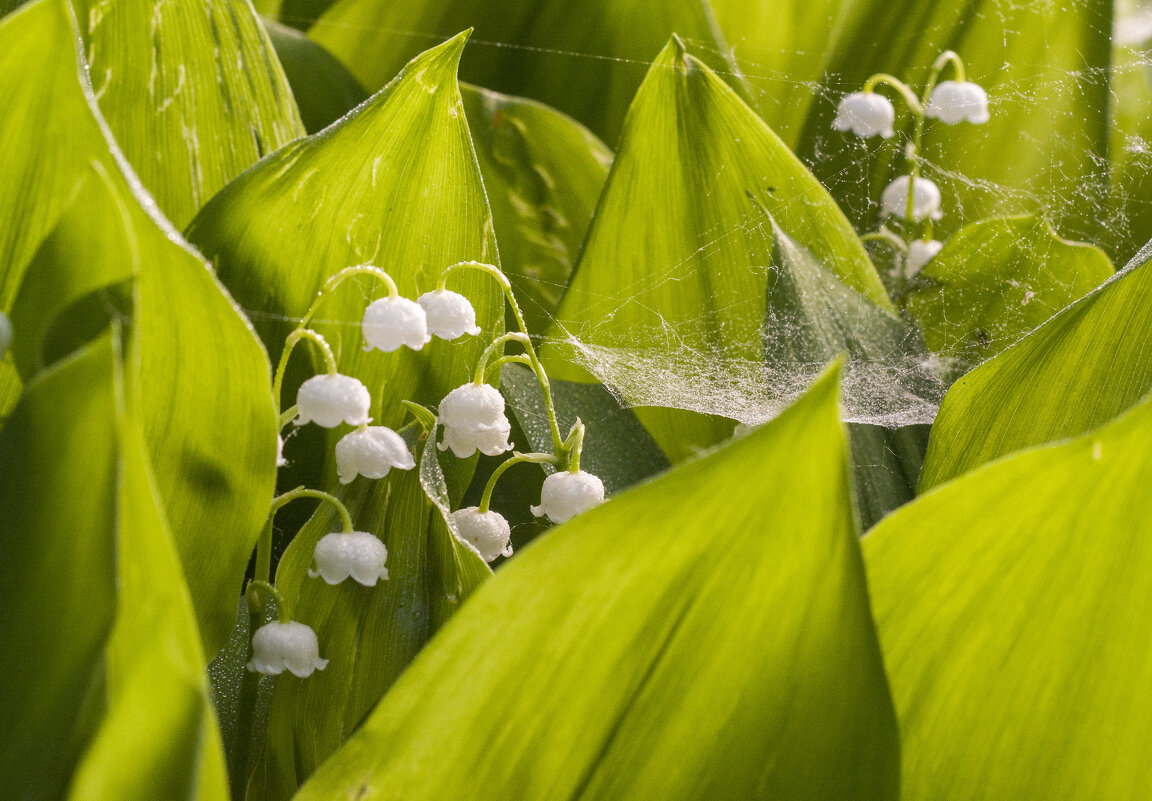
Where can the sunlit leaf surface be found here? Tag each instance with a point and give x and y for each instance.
(1014, 616)
(611, 659)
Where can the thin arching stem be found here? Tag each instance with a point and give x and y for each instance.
(514, 459)
(289, 345)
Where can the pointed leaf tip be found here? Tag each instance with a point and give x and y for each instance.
(675, 54)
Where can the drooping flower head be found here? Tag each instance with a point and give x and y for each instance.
(865, 114)
(925, 199)
(565, 495)
(957, 101)
(371, 451)
(329, 400)
(392, 322)
(920, 252)
(355, 554)
(474, 420)
(450, 314)
(487, 532)
(290, 646)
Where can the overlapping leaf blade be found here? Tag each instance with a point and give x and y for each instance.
(608, 44)
(192, 92)
(210, 434)
(1080, 369)
(1014, 616)
(626, 633)
(997, 280)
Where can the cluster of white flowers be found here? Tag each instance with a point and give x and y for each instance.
(868, 114)
(392, 322)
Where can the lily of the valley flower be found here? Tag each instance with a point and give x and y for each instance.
(371, 451)
(920, 252)
(355, 554)
(865, 114)
(290, 646)
(487, 532)
(331, 399)
(474, 420)
(925, 199)
(957, 101)
(394, 321)
(450, 314)
(565, 495)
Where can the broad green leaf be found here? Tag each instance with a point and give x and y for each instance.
(1075, 372)
(191, 89)
(1013, 612)
(394, 184)
(705, 635)
(997, 280)
(1046, 73)
(211, 434)
(542, 171)
(324, 90)
(58, 486)
(585, 58)
(678, 262)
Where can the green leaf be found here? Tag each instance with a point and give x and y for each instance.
(610, 658)
(191, 90)
(543, 173)
(603, 42)
(1046, 74)
(58, 486)
(1013, 611)
(1129, 225)
(211, 434)
(995, 281)
(679, 260)
(324, 90)
(1075, 372)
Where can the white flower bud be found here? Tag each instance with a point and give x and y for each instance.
(920, 253)
(329, 400)
(450, 315)
(5, 334)
(473, 419)
(957, 101)
(357, 554)
(925, 199)
(487, 532)
(291, 646)
(392, 322)
(280, 460)
(865, 114)
(565, 495)
(371, 451)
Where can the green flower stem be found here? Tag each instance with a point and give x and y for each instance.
(496, 346)
(530, 350)
(887, 237)
(574, 446)
(425, 418)
(280, 501)
(942, 61)
(256, 603)
(290, 344)
(519, 358)
(910, 99)
(514, 459)
(288, 415)
(338, 278)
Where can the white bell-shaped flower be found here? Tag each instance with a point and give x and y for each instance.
(920, 253)
(865, 114)
(450, 314)
(565, 495)
(331, 399)
(290, 646)
(5, 334)
(473, 419)
(487, 532)
(957, 101)
(925, 199)
(355, 554)
(371, 451)
(392, 322)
